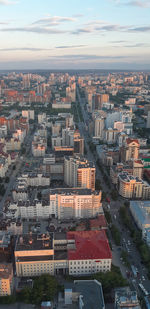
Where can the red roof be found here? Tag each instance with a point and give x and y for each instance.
(89, 245)
(131, 140)
(99, 222)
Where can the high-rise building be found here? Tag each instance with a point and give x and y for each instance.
(130, 150)
(99, 99)
(79, 173)
(78, 143)
(148, 120)
(75, 203)
(99, 127)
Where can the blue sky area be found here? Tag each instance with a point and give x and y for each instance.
(68, 34)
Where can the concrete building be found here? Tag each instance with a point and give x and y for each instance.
(134, 168)
(76, 253)
(29, 114)
(79, 172)
(99, 127)
(78, 143)
(75, 203)
(110, 135)
(42, 118)
(132, 187)
(79, 295)
(125, 298)
(99, 99)
(140, 211)
(28, 210)
(38, 149)
(6, 279)
(130, 150)
(89, 252)
(148, 120)
(35, 179)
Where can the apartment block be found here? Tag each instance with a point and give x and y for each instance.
(6, 279)
(75, 203)
(79, 172)
(133, 187)
(130, 150)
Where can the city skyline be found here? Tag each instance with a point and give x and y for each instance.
(62, 35)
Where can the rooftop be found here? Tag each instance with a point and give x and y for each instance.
(91, 293)
(34, 242)
(89, 245)
(6, 270)
(72, 191)
(142, 211)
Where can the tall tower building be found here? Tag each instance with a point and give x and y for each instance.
(79, 173)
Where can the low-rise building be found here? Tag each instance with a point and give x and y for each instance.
(140, 211)
(76, 253)
(6, 279)
(89, 252)
(125, 298)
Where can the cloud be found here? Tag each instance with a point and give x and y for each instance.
(71, 46)
(84, 57)
(139, 3)
(140, 29)
(54, 21)
(24, 49)
(94, 28)
(117, 42)
(7, 2)
(133, 45)
(39, 30)
(77, 15)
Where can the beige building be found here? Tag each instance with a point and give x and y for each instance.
(75, 203)
(6, 279)
(99, 127)
(79, 173)
(133, 187)
(76, 253)
(38, 149)
(130, 150)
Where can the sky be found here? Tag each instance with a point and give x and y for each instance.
(75, 34)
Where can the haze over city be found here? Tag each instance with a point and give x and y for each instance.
(74, 154)
(67, 34)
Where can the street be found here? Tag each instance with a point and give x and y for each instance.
(127, 243)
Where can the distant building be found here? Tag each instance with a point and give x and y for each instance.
(125, 298)
(78, 143)
(130, 150)
(6, 279)
(148, 120)
(99, 127)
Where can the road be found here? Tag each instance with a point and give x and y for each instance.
(13, 173)
(127, 243)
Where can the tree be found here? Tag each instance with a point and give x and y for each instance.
(44, 288)
(114, 194)
(39, 196)
(98, 184)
